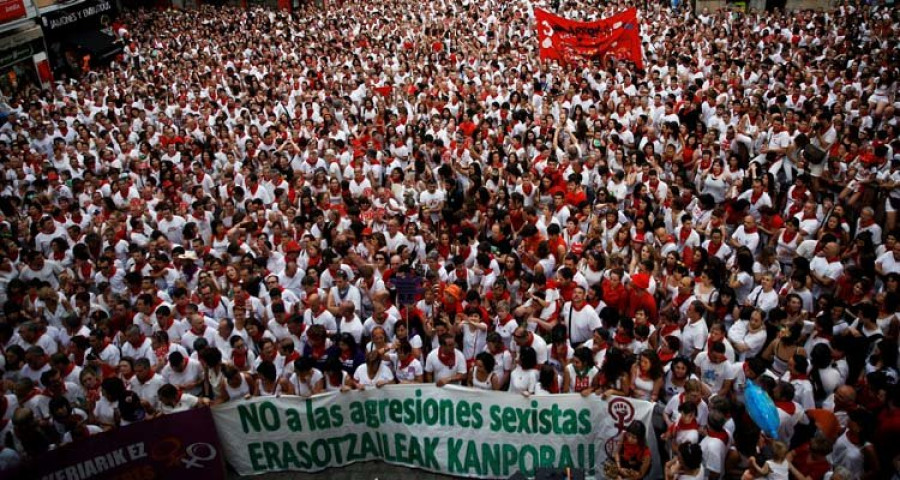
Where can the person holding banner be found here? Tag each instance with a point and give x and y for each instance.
(445, 364)
(632, 458)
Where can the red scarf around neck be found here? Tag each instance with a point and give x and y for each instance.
(447, 359)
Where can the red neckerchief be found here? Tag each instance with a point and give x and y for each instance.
(239, 359)
(621, 243)
(799, 376)
(67, 370)
(833, 259)
(683, 427)
(59, 256)
(808, 216)
(788, 237)
(721, 435)
(755, 198)
(684, 234)
(667, 329)
(269, 358)
(216, 300)
(404, 362)
(713, 248)
(866, 223)
(680, 299)
(291, 357)
(140, 341)
(505, 320)
(318, 352)
(346, 355)
(447, 359)
(33, 393)
(86, 270)
(750, 231)
(48, 393)
(787, 406)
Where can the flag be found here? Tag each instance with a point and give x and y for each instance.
(563, 40)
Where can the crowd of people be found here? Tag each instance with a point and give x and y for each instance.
(254, 203)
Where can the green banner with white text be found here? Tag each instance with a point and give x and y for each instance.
(450, 430)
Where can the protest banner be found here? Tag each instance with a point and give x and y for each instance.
(450, 430)
(181, 446)
(565, 40)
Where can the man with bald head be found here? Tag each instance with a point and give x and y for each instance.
(746, 235)
(826, 268)
(350, 322)
(841, 402)
(317, 314)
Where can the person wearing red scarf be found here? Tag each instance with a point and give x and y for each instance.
(445, 364)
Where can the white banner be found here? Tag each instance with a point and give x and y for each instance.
(450, 430)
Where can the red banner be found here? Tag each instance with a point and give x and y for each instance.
(563, 40)
(11, 10)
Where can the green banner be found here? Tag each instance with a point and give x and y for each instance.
(450, 430)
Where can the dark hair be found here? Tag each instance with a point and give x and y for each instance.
(266, 370)
(691, 455)
(585, 355)
(528, 358)
(487, 360)
(820, 358)
(114, 387)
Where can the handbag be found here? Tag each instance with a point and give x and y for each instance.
(813, 154)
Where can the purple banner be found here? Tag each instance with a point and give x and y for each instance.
(174, 447)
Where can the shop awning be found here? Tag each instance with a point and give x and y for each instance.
(101, 46)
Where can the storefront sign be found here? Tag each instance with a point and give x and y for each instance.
(450, 430)
(11, 10)
(89, 13)
(182, 446)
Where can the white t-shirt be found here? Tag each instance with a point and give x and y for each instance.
(580, 323)
(712, 374)
(888, 263)
(148, 391)
(184, 404)
(740, 333)
(409, 372)
(714, 452)
(693, 336)
(192, 372)
(538, 344)
(304, 389)
(435, 366)
(383, 374)
(521, 380)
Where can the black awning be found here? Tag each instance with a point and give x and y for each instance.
(100, 45)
